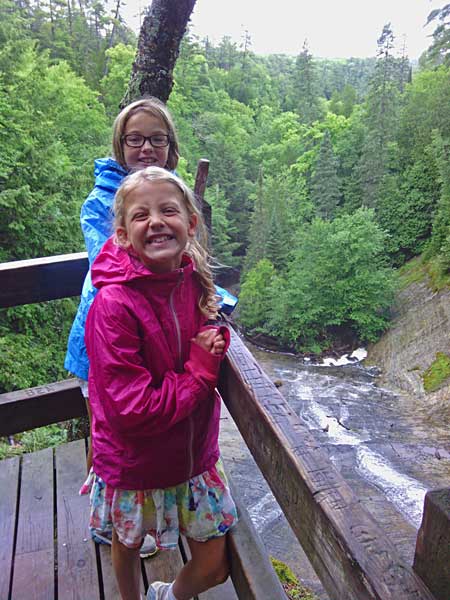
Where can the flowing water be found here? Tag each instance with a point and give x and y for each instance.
(382, 443)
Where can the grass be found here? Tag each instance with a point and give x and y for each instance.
(418, 269)
(439, 278)
(290, 583)
(36, 439)
(411, 272)
(437, 373)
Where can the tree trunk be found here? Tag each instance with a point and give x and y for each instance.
(158, 47)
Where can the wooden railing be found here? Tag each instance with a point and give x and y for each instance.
(348, 550)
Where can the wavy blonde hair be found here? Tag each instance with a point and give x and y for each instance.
(155, 108)
(196, 247)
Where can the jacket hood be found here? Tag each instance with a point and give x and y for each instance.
(116, 265)
(108, 174)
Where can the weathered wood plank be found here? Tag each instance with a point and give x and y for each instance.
(77, 565)
(110, 587)
(40, 279)
(34, 569)
(348, 550)
(251, 570)
(9, 489)
(34, 407)
(164, 566)
(432, 557)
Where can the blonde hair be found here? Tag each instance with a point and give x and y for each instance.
(196, 247)
(155, 108)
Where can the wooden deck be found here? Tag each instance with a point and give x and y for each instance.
(45, 551)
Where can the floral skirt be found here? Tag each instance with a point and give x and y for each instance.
(201, 509)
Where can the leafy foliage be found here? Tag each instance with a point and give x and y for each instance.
(337, 277)
(297, 146)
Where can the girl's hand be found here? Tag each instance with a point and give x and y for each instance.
(205, 339)
(218, 344)
(210, 340)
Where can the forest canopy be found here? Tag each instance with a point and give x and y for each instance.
(326, 175)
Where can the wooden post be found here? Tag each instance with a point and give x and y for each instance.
(432, 557)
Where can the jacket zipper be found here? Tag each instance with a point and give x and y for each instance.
(176, 321)
(179, 364)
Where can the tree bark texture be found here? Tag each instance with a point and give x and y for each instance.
(159, 42)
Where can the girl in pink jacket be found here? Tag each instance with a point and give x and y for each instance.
(152, 378)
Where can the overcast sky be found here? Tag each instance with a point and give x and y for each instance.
(333, 28)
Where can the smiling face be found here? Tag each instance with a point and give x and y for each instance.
(157, 225)
(143, 123)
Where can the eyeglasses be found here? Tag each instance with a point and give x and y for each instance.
(134, 140)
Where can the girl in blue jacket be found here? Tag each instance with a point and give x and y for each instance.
(143, 135)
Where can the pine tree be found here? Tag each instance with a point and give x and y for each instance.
(438, 52)
(325, 185)
(381, 119)
(305, 87)
(258, 228)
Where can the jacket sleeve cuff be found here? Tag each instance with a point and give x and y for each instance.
(203, 365)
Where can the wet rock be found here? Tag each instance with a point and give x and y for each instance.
(420, 328)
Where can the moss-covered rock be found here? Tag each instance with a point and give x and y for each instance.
(290, 583)
(437, 374)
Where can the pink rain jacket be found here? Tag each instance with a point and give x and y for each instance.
(155, 411)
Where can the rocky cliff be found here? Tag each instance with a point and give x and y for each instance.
(420, 328)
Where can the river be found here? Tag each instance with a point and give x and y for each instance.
(381, 442)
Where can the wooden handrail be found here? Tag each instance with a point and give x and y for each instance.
(43, 405)
(40, 279)
(350, 553)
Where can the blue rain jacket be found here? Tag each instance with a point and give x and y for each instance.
(97, 225)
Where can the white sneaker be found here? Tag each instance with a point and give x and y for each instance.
(158, 590)
(148, 547)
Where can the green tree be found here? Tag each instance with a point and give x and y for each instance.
(222, 230)
(114, 84)
(381, 118)
(343, 102)
(337, 278)
(325, 185)
(255, 298)
(305, 89)
(256, 250)
(440, 238)
(437, 53)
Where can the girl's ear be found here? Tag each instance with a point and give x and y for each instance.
(193, 220)
(122, 238)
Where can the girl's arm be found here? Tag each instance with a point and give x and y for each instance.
(96, 221)
(123, 386)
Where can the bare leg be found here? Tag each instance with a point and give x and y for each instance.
(127, 568)
(89, 454)
(208, 567)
